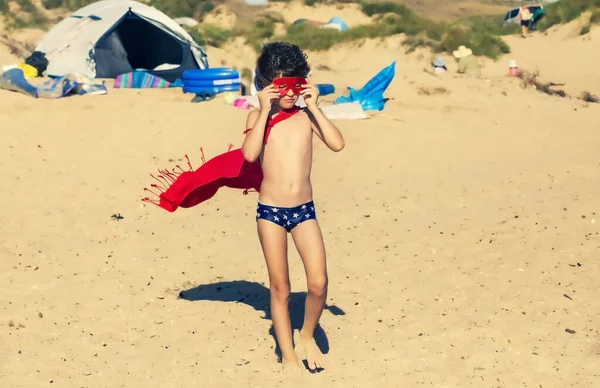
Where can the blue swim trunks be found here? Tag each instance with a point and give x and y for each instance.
(286, 217)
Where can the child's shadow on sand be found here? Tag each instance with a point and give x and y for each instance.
(257, 296)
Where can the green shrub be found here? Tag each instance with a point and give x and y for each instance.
(264, 28)
(595, 17)
(566, 11)
(401, 18)
(209, 35)
(489, 45)
(385, 7)
(482, 43)
(435, 31)
(311, 38)
(180, 8)
(585, 29)
(32, 18)
(4, 6)
(28, 6)
(68, 4)
(490, 24)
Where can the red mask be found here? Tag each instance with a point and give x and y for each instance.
(289, 83)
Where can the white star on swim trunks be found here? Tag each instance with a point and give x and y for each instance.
(312, 208)
(276, 218)
(284, 217)
(258, 214)
(303, 206)
(295, 215)
(307, 215)
(275, 210)
(289, 223)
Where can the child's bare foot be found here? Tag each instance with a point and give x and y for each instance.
(291, 366)
(312, 353)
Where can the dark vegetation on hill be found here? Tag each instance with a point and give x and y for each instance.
(68, 4)
(566, 11)
(481, 33)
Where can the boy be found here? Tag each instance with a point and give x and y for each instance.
(285, 204)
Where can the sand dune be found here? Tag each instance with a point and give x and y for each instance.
(461, 225)
(576, 67)
(6, 56)
(350, 13)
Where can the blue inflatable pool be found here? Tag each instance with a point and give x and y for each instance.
(211, 89)
(216, 73)
(211, 81)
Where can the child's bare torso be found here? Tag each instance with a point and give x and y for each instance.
(286, 162)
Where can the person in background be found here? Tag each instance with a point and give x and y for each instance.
(467, 62)
(525, 16)
(439, 66)
(513, 68)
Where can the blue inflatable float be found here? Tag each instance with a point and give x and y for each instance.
(209, 82)
(370, 96)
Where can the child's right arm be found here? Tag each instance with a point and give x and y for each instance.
(255, 128)
(256, 124)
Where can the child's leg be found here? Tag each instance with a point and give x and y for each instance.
(273, 239)
(309, 242)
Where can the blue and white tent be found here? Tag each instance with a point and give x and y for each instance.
(112, 37)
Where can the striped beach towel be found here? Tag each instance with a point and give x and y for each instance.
(142, 80)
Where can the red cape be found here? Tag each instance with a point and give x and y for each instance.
(180, 188)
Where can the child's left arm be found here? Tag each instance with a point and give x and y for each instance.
(321, 125)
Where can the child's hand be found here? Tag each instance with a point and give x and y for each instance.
(266, 96)
(310, 95)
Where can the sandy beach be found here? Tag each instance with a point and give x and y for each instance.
(461, 226)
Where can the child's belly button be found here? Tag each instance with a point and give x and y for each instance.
(291, 187)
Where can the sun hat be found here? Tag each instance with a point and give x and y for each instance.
(512, 63)
(438, 62)
(462, 52)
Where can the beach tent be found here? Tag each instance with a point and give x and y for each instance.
(112, 37)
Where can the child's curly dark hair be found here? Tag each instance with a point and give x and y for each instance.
(280, 59)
